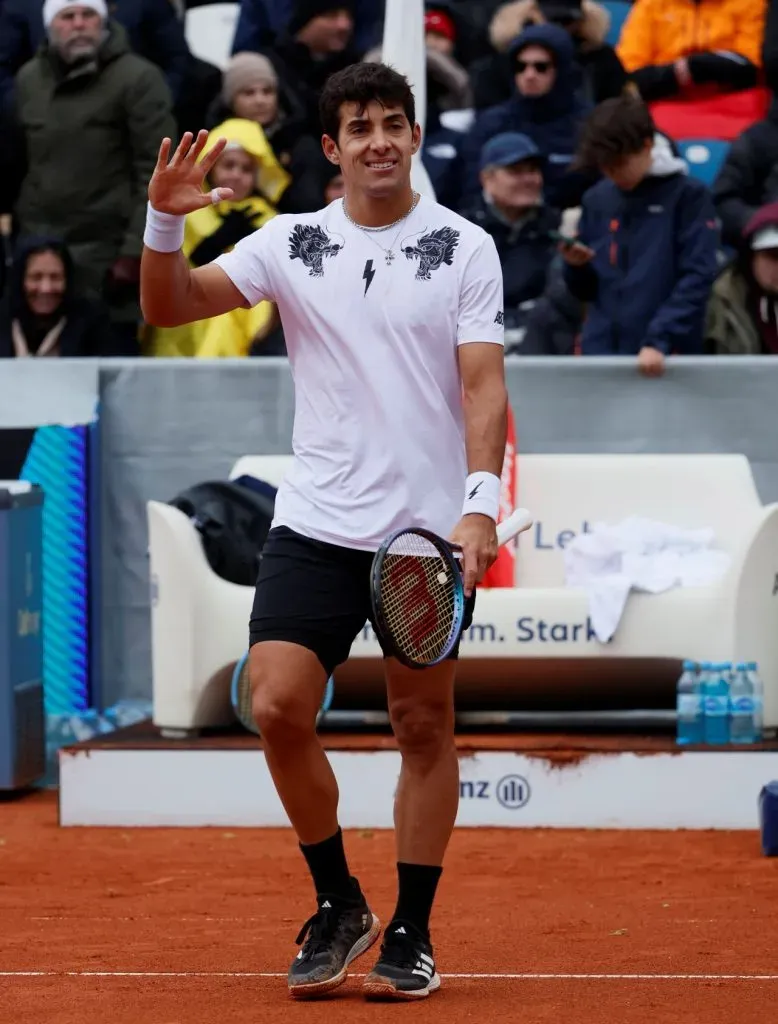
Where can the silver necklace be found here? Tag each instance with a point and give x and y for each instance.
(388, 253)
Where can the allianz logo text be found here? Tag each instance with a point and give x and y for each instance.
(511, 791)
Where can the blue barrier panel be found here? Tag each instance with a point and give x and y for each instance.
(22, 729)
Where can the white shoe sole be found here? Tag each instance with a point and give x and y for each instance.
(376, 987)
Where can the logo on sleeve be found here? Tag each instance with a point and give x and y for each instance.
(499, 318)
(311, 244)
(432, 251)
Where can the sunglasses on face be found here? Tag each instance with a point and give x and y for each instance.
(541, 66)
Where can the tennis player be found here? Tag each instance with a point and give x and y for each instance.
(392, 309)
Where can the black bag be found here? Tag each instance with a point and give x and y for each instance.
(233, 521)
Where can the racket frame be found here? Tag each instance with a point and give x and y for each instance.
(447, 552)
(517, 522)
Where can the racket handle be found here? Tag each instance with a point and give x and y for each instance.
(517, 522)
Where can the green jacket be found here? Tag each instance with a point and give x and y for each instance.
(729, 328)
(92, 137)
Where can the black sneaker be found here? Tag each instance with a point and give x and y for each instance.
(405, 968)
(339, 932)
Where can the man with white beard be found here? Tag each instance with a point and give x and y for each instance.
(93, 114)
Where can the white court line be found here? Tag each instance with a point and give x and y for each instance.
(527, 976)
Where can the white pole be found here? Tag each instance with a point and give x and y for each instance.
(404, 49)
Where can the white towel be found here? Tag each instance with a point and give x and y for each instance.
(641, 554)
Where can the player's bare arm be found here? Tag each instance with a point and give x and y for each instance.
(171, 293)
(485, 402)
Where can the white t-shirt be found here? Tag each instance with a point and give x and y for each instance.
(378, 440)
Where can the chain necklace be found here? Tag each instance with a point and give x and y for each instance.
(388, 253)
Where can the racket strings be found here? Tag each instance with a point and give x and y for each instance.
(418, 597)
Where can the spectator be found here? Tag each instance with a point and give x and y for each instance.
(512, 211)
(554, 322)
(250, 89)
(586, 21)
(41, 314)
(448, 83)
(748, 178)
(216, 229)
(546, 106)
(472, 19)
(645, 258)
(448, 89)
(335, 187)
(742, 318)
(669, 46)
(262, 22)
(93, 115)
(320, 41)
(153, 31)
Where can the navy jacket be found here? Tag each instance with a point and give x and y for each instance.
(261, 22)
(654, 264)
(552, 122)
(152, 27)
(526, 250)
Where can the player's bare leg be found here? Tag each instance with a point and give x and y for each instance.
(288, 684)
(421, 709)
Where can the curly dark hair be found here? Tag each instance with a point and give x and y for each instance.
(616, 128)
(361, 84)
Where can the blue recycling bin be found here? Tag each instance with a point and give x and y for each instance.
(22, 716)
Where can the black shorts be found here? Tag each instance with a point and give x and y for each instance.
(317, 595)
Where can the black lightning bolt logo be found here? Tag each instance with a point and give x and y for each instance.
(474, 491)
(368, 274)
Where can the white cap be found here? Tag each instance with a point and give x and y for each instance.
(765, 238)
(52, 8)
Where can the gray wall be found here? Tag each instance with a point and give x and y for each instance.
(169, 424)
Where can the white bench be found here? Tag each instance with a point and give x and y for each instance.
(200, 622)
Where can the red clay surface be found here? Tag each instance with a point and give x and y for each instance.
(510, 902)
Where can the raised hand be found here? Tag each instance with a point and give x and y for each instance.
(177, 187)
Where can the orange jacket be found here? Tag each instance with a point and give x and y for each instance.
(662, 31)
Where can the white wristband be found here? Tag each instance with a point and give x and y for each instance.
(482, 495)
(164, 231)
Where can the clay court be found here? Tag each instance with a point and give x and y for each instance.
(193, 926)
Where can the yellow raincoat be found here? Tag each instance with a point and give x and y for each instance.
(232, 333)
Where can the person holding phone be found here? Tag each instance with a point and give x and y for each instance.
(644, 260)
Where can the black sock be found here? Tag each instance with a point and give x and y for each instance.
(329, 868)
(417, 885)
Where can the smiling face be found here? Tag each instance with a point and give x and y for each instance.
(374, 147)
(44, 283)
(235, 169)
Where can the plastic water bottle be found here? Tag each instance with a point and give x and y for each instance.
(689, 705)
(716, 692)
(741, 706)
(757, 695)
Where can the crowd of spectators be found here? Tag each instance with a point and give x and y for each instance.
(559, 137)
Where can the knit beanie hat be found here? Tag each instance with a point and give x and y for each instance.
(52, 8)
(243, 71)
(304, 11)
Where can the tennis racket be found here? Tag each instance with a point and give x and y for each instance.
(240, 696)
(418, 594)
